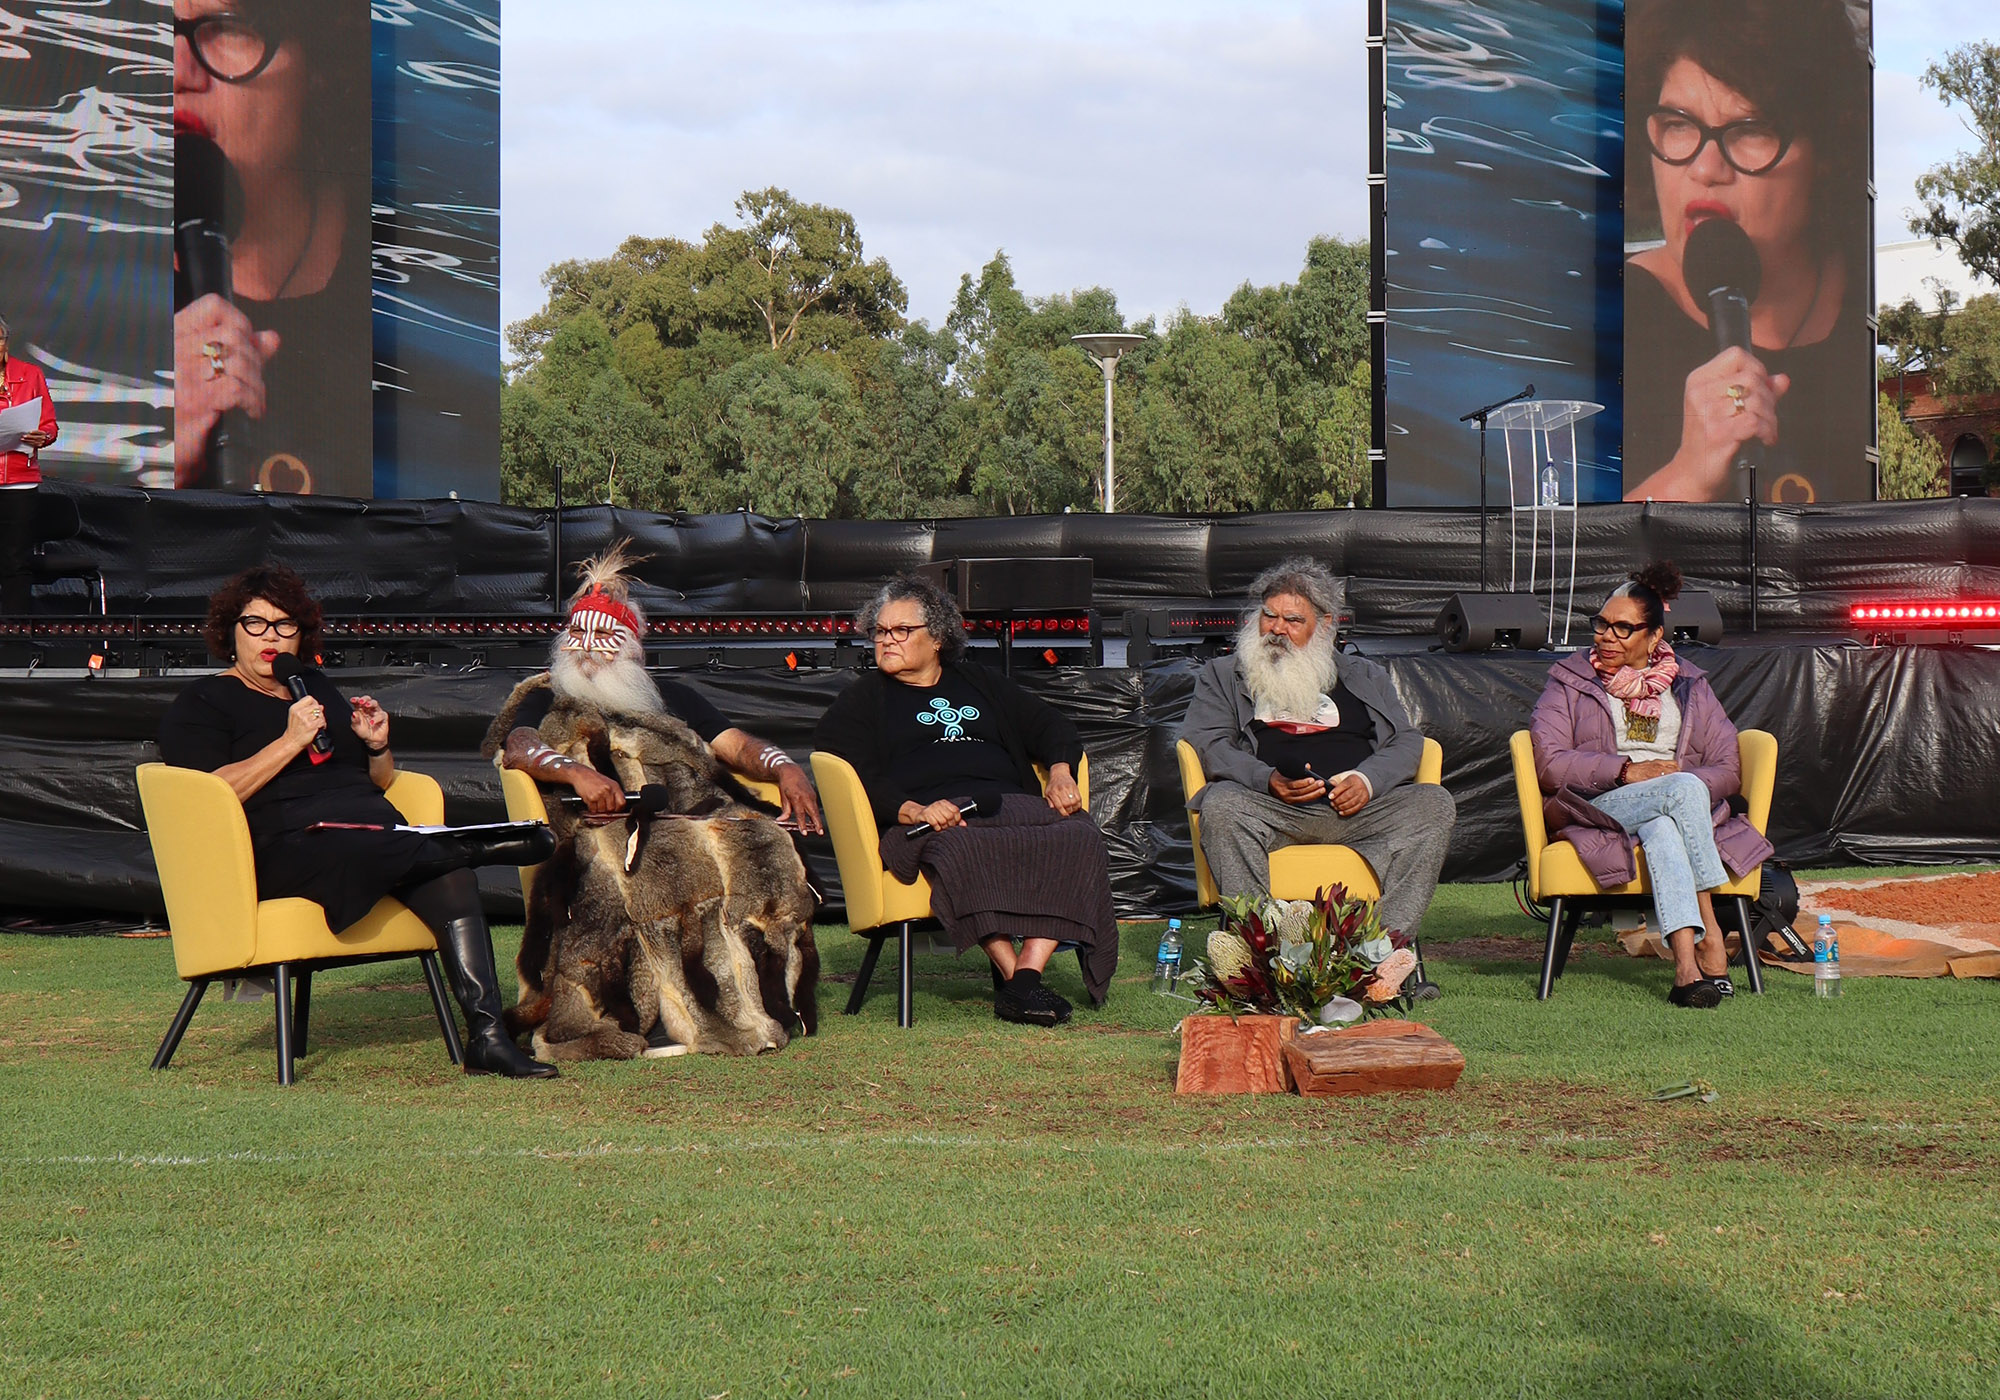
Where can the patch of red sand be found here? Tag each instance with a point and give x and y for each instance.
(1963, 899)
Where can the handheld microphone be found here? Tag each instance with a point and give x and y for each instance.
(287, 669)
(1723, 273)
(208, 213)
(653, 797)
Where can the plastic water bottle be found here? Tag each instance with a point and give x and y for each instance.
(1167, 969)
(1551, 487)
(1826, 959)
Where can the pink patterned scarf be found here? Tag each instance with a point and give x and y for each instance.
(1641, 689)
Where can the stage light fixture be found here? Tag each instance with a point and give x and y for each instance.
(1952, 622)
(1949, 614)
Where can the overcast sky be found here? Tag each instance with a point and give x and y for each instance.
(1167, 149)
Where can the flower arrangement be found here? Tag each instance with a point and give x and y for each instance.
(1326, 960)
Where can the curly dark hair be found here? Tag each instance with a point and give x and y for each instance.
(276, 585)
(941, 616)
(1804, 64)
(1652, 588)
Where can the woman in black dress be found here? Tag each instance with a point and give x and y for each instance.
(271, 120)
(243, 726)
(930, 734)
(1753, 112)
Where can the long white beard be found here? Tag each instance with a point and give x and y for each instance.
(616, 687)
(1286, 681)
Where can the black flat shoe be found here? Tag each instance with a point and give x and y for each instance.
(1700, 994)
(1038, 1008)
(1723, 985)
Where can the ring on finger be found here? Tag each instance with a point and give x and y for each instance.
(216, 354)
(1736, 397)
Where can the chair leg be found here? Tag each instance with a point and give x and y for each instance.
(284, 1000)
(1571, 921)
(301, 1010)
(1557, 910)
(860, 992)
(1751, 967)
(179, 1026)
(434, 979)
(906, 1015)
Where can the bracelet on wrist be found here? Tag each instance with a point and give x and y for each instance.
(374, 752)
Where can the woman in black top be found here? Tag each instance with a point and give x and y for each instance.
(1752, 112)
(271, 127)
(243, 726)
(935, 739)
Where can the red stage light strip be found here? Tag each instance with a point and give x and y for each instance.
(1956, 613)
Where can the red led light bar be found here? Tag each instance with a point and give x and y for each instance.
(1957, 612)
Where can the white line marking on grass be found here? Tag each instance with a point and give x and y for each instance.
(820, 1143)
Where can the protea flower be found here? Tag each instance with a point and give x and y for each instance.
(1390, 976)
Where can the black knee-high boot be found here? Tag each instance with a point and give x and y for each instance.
(450, 905)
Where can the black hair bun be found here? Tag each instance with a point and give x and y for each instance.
(1663, 576)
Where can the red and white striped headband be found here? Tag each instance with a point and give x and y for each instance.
(596, 610)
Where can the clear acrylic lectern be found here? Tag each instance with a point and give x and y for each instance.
(1541, 481)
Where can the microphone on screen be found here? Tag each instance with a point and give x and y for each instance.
(1724, 274)
(208, 214)
(288, 671)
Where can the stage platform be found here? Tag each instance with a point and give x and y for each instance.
(1886, 754)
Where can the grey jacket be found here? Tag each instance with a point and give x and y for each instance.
(1218, 725)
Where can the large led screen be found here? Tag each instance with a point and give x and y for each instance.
(1747, 339)
(1501, 232)
(86, 214)
(255, 246)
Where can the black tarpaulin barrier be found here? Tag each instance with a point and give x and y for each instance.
(163, 553)
(1885, 754)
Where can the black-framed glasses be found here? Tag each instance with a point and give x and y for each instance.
(1751, 146)
(898, 635)
(232, 47)
(260, 626)
(1623, 631)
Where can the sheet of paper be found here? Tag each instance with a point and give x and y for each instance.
(20, 419)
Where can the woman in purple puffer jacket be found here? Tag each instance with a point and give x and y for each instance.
(1632, 745)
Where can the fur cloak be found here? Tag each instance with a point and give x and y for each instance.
(708, 935)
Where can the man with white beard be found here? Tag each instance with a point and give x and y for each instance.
(600, 660)
(1304, 746)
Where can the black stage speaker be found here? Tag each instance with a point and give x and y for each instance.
(1483, 621)
(1693, 617)
(1014, 585)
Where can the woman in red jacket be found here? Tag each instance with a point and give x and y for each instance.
(20, 473)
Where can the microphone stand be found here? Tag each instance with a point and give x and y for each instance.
(1751, 505)
(1479, 415)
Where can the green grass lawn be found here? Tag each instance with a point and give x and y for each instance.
(977, 1208)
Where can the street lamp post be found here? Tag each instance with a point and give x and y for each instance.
(1104, 352)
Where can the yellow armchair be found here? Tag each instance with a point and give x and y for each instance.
(1297, 872)
(1557, 877)
(879, 906)
(220, 928)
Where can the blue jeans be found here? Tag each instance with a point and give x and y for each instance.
(1670, 816)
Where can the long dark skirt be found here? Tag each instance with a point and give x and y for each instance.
(1025, 872)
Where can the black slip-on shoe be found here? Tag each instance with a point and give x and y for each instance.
(1700, 994)
(1723, 985)
(1035, 1009)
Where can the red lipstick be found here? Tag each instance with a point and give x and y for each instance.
(188, 124)
(1700, 209)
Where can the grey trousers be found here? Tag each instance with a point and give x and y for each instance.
(1402, 834)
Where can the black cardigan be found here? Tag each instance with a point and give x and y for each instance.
(1033, 731)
